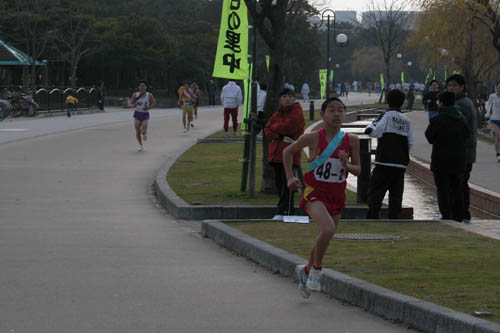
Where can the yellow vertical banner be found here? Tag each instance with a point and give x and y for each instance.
(231, 59)
(322, 80)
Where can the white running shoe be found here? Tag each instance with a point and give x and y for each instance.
(226, 133)
(185, 130)
(498, 157)
(192, 124)
(277, 218)
(302, 276)
(141, 148)
(313, 279)
(144, 137)
(235, 134)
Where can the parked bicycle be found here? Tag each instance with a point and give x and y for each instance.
(20, 104)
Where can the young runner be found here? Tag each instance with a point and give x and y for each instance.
(142, 101)
(333, 154)
(195, 89)
(186, 103)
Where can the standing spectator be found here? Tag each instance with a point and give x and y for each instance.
(100, 95)
(305, 92)
(355, 86)
(261, 99)
(231, 98)
(369, 87)
(347, 89)
(212, 90)
(342, 89)
(395, 138)
(447, 133)
(410, 97)
(456, 84)
(493, 113)
(430, 99)
(71, 103)
(284, 127)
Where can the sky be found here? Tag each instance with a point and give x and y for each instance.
(358, 5)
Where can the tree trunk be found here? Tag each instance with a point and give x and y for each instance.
(275, 84)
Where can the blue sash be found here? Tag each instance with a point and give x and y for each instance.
(336, 141)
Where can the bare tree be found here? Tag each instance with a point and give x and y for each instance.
(386, 23)
(74, 38)
(31, 15)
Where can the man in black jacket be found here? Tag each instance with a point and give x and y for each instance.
(447, 133)
(395, 138)
(456, 85)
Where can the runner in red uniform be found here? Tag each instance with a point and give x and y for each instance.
(333, 154)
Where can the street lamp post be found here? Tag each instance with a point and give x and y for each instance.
(340, 40)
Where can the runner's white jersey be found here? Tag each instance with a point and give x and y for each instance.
(142, 102)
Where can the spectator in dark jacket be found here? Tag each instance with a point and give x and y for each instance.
(430, 99)
(395, 138)
(284, 127)
(447, 133)
(456, 84)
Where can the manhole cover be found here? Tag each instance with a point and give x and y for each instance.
(380, 237)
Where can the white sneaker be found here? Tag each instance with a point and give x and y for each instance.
(313, 279)
(192, 124)
(302, 276)
(498, 157)
(141, 148)
(226, 133)
(235, 134)
(277, 218)
(144, 137)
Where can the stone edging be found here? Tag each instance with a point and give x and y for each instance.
(480, 197)
(391, 305)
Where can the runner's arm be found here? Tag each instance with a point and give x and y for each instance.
(152, 101)
(132, 101)
(354, 166)
(304, 141)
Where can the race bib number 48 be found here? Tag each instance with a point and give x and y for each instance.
(332, 171)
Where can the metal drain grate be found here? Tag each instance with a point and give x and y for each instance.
(379, 237)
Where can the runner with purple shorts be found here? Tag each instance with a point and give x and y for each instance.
(142, 101)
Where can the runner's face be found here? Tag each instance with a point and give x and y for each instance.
(287, 100)
(454, 87)
(334, 113)
(498, 89)
(142, 87)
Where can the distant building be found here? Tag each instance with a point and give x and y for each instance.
(348, 16)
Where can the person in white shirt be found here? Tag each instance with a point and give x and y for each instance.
(305, 92)
(493, 112)
(261, 99)
(231, 98)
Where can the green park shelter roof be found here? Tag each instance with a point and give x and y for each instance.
(10, 56)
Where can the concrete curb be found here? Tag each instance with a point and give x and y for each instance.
(422, 315)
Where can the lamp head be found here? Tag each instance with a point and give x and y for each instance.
(315, 20)
(341, 39)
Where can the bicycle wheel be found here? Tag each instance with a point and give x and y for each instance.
(16, 111)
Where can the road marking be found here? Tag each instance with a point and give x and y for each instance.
(13, 129)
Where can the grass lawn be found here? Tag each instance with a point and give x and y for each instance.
(437, 263)
(210, 174)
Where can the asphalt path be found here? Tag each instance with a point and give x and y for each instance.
(83, 247)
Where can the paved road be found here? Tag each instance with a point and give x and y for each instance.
(84, 249)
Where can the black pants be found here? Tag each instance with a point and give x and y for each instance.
(450, 196)
(211, 99)
(285, 195)
(383, 179)
(466, 191)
